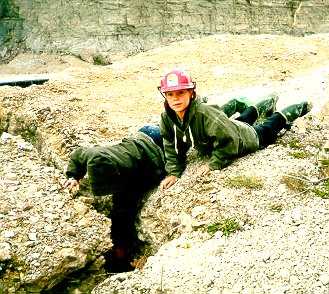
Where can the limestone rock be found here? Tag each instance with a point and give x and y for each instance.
(5, 251)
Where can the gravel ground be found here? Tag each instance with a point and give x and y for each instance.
(45, 234)
(281, 245)
(284, 252)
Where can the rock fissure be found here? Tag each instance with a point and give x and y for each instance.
(76, 270)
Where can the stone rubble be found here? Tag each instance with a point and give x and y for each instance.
(44, 233)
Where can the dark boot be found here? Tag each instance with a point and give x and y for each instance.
(267, 106)
(294, 111)
(234, 105)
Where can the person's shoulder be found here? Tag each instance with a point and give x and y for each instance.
(164, 117)
(165, 121)
(164, 114)
(208, 109)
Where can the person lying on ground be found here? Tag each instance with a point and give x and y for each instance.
(187, 123)
(129, 169)
(110, 168)
(139, 157)
(126, 171)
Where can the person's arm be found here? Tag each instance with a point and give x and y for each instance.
(71, 184)
(175, 163)
(77, 166)
(76, 169)
(225, 136)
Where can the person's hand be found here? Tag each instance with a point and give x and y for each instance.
(71, 184)
(168, 182)
(203, 171)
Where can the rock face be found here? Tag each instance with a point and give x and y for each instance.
(97, 30)
(11, 30)
(44, 233)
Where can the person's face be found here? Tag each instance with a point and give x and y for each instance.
(179, 100)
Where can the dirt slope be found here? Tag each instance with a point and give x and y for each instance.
(106, 101)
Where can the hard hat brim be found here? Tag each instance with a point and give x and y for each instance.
(176, 88)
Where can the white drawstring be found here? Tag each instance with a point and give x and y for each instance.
(191, 136)
(184, 138)
(175, 131)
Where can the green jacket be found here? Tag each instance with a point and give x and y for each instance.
(111, 169)
(210, 131)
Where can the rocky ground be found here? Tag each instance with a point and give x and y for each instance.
(269, 199)
(273, 199)
(45, 234)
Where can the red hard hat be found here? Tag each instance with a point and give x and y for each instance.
(176, 80)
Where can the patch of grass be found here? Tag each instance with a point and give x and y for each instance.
(321, 193)
(99, 59)
(316, 144)
(294, 143)
(276, 207)
(294, 183)
(27, 128)
(323, 190)
(300, 154)
(326, 184)
(226, 226)
(250, 182)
